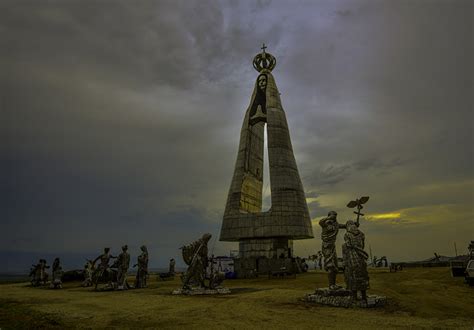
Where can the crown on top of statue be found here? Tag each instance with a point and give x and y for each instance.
(264, 60)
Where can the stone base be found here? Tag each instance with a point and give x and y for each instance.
(270, 248)
(343, 298)
(200, 291)
(105, 288)
(254, 267)
(326, 292)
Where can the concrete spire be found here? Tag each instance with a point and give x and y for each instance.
(265, 234)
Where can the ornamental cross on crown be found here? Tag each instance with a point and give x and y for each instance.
(264, 61)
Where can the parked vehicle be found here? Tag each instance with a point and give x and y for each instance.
(458, 268)
(469, 273)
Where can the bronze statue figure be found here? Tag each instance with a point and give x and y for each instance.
(57, 273)
(330, 228)
(88, 272)
(38, 273)
(142, 271)
(123, 264)
(172, 265)
(355, 260)
(195, 256)
(103, 269)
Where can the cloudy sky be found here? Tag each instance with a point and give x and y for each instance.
(120, 120)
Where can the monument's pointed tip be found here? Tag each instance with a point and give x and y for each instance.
(264, 60)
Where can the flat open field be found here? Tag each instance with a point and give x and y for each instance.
(419, 298)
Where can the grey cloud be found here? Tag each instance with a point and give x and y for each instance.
(120, 120)
(317, 211)
(372, 163)
(328, 176)
(311, 194)
(334, 174)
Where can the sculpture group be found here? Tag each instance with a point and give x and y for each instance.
(199, 278)
(98, 271)
(115, 275)
(265, 238)
(39, 274)
(354, 256)
(356, 276)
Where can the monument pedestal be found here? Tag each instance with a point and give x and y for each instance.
(200, 291)
(343, 298)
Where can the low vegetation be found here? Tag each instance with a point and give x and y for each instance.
(419, 298)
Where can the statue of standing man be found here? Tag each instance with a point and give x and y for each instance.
(355, 273)
(103, 267)
(171, 270)
(123, 265)
(330, 228)
(56, 282)
(142, 272)
(88, 273)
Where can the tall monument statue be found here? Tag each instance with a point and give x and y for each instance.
(267, 234)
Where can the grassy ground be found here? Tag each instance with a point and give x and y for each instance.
(419, 298)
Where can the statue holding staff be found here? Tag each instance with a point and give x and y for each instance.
(355, 258)
(123, 264)
(195, 256)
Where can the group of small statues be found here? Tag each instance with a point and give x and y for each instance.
(100, 270)
(116, 274)
(39, 275)
(355, 258)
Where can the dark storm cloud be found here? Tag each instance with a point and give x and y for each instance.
(120, 120)
(317, 211)
(330, 175)
(333, 174)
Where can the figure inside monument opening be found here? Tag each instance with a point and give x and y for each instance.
(251, 199)
(265, 176)
(258, 111)
(262, 82)
(252, 182)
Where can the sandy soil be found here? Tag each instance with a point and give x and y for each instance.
(419, 298)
